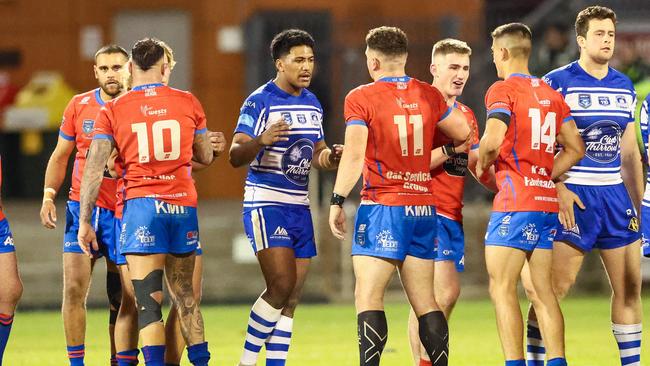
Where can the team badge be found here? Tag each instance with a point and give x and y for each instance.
(301, 119)
(314, 118)
(634, 225)
(287, 117)
(87, 126)
(584, 100)
(361, 235)
(621, 102)
(604, 101)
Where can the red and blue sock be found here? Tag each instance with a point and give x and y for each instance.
(154, 355)
(198, 354)
(76, 355)
(6, 320)
(128, 357)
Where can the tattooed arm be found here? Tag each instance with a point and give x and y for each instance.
(98, 154)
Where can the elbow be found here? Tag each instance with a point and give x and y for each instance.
(234, 160)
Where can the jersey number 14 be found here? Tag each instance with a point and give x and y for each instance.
(542, 133)
(157, 132)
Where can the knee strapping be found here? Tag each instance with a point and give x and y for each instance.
(149, 309)
(114, 293)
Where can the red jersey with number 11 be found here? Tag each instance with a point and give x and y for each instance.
(401, 116)
(153, 127)
(525, 161)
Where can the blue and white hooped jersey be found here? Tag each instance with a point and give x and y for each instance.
(644, 119)
(279, 174)
(602, 110)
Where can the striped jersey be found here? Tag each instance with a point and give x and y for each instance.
(643, 120)
(279, 174)
(601, 109)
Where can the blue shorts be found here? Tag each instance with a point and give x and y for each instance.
(151, 226)
(525, 230)
(394, 232)
(608, 222)
(103, 221)
(287, 226)
(645, 230)
(6, 238)
(450, 243)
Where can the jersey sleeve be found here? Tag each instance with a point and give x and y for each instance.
(473, 124)
(498, 102)
(103, 125)
(199, 117)
(67, 129)
(643, 121)
(250, 121)
(551, 80)
(632, 106)
(356, 109)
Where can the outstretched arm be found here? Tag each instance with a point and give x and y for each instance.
(488, 151)
(326, 158)
(54, 176)
(631, 166)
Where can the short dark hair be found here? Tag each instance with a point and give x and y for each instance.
(592, 12)
(284, 41)
(391, 41)
(111, 49)
(147, 52)
(513, 29)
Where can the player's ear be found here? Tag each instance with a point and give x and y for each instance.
(433, 69)
(279, 65)
(505, 54)
(130, 68)
(582, 41)
(95, 71)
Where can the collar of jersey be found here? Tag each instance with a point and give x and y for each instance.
(284, 93)
(591, 76)
(98, 97)
(147, 86)
(396, 79)
(526, 76)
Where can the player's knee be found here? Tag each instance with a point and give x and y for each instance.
(148, 293)
(447, 298)
(74, 293)
(562, 286)
(12, 293)
(365, 298)
(280, 288)
(500, 287)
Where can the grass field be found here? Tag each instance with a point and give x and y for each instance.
(326, 335)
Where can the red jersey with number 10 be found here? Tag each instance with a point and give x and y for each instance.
(153, 127)
(525, 161)
(401, 116)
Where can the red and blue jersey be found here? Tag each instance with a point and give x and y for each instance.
(78, 125)
(525, 161)
(2, 215)
(401, 115)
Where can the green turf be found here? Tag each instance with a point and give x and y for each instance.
(326, 335)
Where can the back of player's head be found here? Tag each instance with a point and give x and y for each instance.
(389, 41)
(592, 12)
(111, 49)
(146, 53)
(517, 36)
(284, 41)
(448, 46)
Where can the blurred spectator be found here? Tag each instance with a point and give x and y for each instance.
(631, 63)
(554, 51)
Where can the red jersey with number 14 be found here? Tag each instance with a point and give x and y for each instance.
(401, 116)
(153, 127)
(525, 161)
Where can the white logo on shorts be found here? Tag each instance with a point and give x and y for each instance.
(144, 236)
(9, 241)
(280, 233)
(530, 232)
(386, 241)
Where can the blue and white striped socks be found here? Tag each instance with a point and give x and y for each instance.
(262, 321)
(628, 337)
(277, 346)
(536, 352)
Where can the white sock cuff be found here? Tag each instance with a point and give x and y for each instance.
(627, 328)
(265, 310)
(285, 323)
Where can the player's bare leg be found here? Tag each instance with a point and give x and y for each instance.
(126, 324)
(10, 292)
(114, 294)
(417, 275)
(446, 288)
(77, 269)
(173, 336)
(504, 266)
(147, 276)
(547, 309)
(179, 270)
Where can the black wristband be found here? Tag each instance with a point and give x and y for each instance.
(337, 199)
(449, 149)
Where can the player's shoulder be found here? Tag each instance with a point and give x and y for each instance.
(361, 90)
(258, 97)
(463, 108)
(85, 98)
(500, 85)
(616, 78)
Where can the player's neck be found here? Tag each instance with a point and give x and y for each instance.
(396, 73)
(286, 86)
(105, 97)
(146, 80)
(450, 99)
(595, 69)
(516, 68)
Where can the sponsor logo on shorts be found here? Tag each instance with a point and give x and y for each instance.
(280, 233)
(386, 241)
(504, 228)
(69, 244)
(634, 225)
(361, 235)
(9, 241)
(418, 211)
(575, 231)
(143, 235)
(171, 209)
(530, 232)
(192, 237)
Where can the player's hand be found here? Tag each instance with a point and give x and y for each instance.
(337, 221)
(279, 131)
(336, 153)
(218, 142)
(48, 214)
(479, 171)
(87, 238)
(464, 146)
(566, 200)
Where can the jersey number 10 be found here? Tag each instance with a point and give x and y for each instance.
(402, 130)
(542, 133)
(157, 132)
